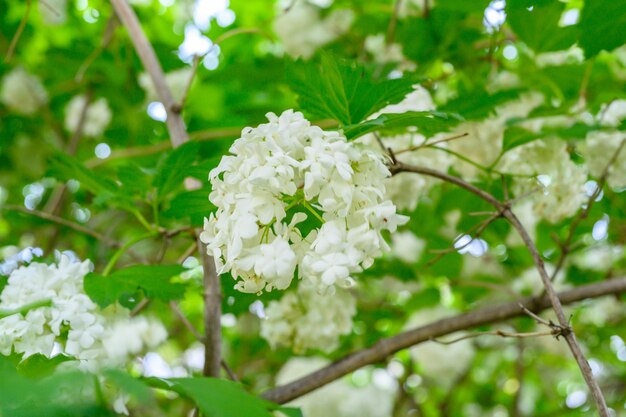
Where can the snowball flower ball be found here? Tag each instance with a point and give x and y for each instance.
(22, 93)
(68, 321)
(97, 118)
(293, 197)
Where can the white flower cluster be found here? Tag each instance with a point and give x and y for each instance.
(405, 189)
(598, 150)
(176, 80)
(443, 363)
(342, 398)
(483, 143)
(383, 52)
(305, 320)
(302, 30)
(561, 179)
(22, 93)
(97, 118)
(72, 322)
(294, 196)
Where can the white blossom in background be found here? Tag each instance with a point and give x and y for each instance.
(483, 144)
(93, 336)
(13, 261)
(414, 7)
(573, 55)
(439, 362)
(557, 189)
(305, 320)
(599, 258)
(407, 247)
(292, 195)
(97, 118)
(602, 311)
(22, 93)
(176, 80)
(341, 398)
(598, 149)
(529, 281)
(405, 189)
(381, 51)
(53, 12)
(613, 113)
(302, 30)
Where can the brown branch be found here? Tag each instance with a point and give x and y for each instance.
(64, 222)
(18, 33)
(501, 333)
(178, 135)
(175, 123)
(388, 346)
(212, 315)
(506, 211)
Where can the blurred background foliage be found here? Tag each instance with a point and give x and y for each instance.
(464, 53)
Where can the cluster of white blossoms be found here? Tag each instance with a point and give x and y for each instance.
(22, 93)
(405, 189)
(97, 118)
(561, 181)
(71, 324)
(302, 30)
(292, 196)
(598, 150)
(304, 320)
(383, 52)
(374, 397)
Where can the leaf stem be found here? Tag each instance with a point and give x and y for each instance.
(116, 256)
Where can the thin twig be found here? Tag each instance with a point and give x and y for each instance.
(501, 333)
(566, 245)
(383, 348)
(64, 222)
(18, 33)
(426, 143)
(212, 315)
(107, 37)
(563, 322)
(175, 123)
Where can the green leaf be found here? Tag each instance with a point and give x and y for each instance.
(194, 205)
(39, 366)
(67, 168)
(153, 280)
(516, 136)
(478, 104)
(217, 397)
(175, 168)
(427, 123)
(343, 90)
(602, 24)
(133, 386)
(536, 23)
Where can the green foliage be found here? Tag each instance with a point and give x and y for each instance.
(127, 285)
(426, 123)
(601, 24)
(343, 90)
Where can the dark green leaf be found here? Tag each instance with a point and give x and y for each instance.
(175, 168)
(217, 397)
(478, 104)
(343, 90)
(194, 205)
(153, 280)
(536, 23)
(39, 366)
(602, 24)
(426, 123)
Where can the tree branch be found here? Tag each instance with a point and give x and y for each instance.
(388, 346)
(506, 211)
(212, 315)
(178, 135)
(175, 123)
